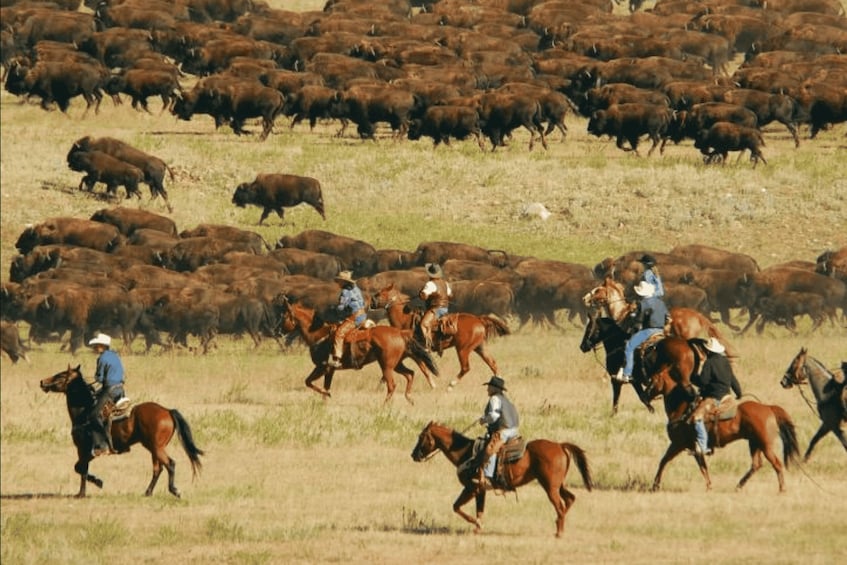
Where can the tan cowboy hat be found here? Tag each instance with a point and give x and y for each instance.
(434, 270)
(345, 276)
(644, 289)
(496, 382)
(714, 346)
(101, 339)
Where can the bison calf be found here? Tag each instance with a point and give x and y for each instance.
(724, 137)
(101, 167)
(274, 192)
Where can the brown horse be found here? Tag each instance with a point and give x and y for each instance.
(472, 331)
(545, 460)
(148, 423)
(830, 396)
(760, 424)
(386, 345)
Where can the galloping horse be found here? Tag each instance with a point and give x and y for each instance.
(148, 423)
(471, 330)
(545, 460)
(829, 394)
(760, 424)
(386, 345)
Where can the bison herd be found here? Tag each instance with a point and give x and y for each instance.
(132, 273)
(446, 69)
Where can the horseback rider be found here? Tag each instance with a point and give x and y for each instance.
(436, 293)
(651, 274)
(109, 375)
(650, 316)
(715, 381)
(502, 420)
(351, 307)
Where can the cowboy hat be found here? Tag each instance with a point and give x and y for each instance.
(345, 276)
(644, 289)
(648, 260)
(434, 270)
(496, 382)
(101, 339)
(714, 346)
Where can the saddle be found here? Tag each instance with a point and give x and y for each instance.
(448, 324)
(725, 410)
(511, 451)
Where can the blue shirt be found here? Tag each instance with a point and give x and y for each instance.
(110, 369)
(651, 277)
(653, 312)
(351, 301)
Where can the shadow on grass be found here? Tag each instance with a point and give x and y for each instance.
(35, 496)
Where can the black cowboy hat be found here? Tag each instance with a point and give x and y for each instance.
(434, 270)
(647, 259)
(496, 382)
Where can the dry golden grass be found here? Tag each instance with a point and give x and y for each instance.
(291, 479)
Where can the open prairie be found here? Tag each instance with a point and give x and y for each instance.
(290, 478)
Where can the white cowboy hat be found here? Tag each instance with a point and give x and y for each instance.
(101, 339)
(345, 276)
(714, 346)
(644, 289)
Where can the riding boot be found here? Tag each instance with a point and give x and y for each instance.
(702, 445)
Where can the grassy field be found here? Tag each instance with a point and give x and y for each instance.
(289, 478)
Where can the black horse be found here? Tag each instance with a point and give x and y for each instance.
(601, 329)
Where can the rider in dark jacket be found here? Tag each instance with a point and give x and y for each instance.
(715, 381)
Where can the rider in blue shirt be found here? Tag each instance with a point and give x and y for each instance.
(652, 314)
(351, 307)
(109, 374)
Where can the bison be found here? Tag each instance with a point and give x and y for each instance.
(275, 192)
(153, 168)
(724, 137)
(101, 167)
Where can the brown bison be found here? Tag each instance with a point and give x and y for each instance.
(275, 192)
(723, 137)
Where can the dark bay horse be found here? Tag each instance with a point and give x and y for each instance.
(386, 345)
(148, 423)
(829, 395)
(760, 424)
(545, 460)
(606, 331)
(472, 331)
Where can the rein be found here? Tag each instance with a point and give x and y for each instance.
(803, 393)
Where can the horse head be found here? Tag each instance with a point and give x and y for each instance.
(426, 445)
(385, 296)
(600, 329)
(794, 374)
(609, 300)
(60, 381)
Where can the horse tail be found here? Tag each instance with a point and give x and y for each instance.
(788, 434)
(421, 354)
(579, 457)
(187, 440)
(494, 326)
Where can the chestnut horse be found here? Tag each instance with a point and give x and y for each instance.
(545, 460)
(760, 424)
(472, 331)
(830, 396)
(386, 345)
(148, 423)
